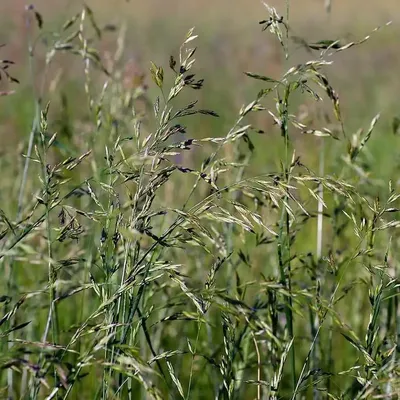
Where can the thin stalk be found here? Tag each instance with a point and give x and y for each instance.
(52, 318)
(111, 316)
(320, 220)
(315, 318)
(193, 357)
(287, 29)
(283, 246)
(285, 218)
(52, 274)
(253, 336)
(320, 202)
(228, 227)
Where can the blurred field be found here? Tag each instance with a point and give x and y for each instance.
(230, 43)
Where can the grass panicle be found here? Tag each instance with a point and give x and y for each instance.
(145, 259)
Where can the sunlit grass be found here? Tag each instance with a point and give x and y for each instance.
(171, 237)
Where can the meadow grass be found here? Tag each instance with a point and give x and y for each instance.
(156, 245)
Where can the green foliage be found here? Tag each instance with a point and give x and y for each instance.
(143, 260)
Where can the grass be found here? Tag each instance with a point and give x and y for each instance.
(157, 245)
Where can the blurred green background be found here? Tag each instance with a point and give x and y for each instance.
(230, 42)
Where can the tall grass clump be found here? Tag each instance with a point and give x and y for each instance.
(141, 260)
